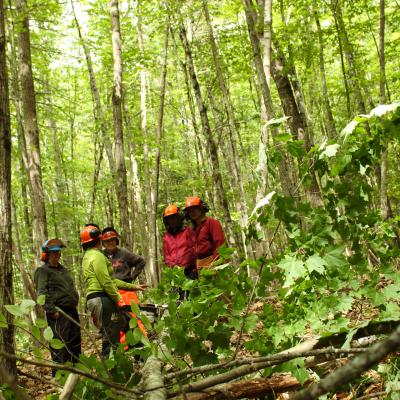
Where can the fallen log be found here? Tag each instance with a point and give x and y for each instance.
(250, 389)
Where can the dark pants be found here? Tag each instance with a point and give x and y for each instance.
(109, 319)
(69, 333)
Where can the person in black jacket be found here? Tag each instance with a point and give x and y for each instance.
(55, 282)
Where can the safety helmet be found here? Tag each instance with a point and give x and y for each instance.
(52, 245)
(109, 233)
(172, 209)
(195, 201)
(89, 233)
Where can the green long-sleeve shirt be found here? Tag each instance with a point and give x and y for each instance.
(97, 271)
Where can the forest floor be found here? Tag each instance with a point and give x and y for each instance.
(39, 383)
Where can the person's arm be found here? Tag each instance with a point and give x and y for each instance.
(104, 278)
(217, 235)
(136, 264)
(41, 282)
(128, 286)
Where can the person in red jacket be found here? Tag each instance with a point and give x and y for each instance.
(178, 242)
(208, 232)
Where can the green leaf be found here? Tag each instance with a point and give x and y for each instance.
(225, 251)
(293, 268)
(41, 323)
(48, 334)
(27, 305)
(296, 148)
(391, 292)
(3, 321)
(330, 151)
(132, 323)
(316, 263)
(276, 121)
(14, 310)
(56, 344)
(283, 137)
(36, 332)
(41, 299)
(335, 257)
(135, 308)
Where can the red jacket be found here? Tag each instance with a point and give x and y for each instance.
(178, 249)
(209, 236)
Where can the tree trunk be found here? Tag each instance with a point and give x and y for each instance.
(329, 116)
(287, 184)
(7, 334)
(199, 148)
(152, 268)
(233, 133)
(122, 191)
(98, 109)
(31, 128)
(382, 82)
(153, 220)
(349, 54)
(212, 148)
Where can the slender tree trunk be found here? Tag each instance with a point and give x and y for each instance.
(203, 162)
(158, 146)
(233, 133)
(7, 334)
(328, 110)
(152, 268)
(212, 148)
(122, 191)
(265, 9)
(98, 109)
(349, 53)
(382, 81)
(31, 128)
(284, 169)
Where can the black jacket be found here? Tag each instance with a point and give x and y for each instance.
(57, 285)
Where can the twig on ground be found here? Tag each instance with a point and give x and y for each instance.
(353, 369)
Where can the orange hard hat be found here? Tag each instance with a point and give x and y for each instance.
(109, 235)
(172, 209)
(89, 233)
(193, 201)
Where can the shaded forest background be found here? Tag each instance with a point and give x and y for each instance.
(268, 110)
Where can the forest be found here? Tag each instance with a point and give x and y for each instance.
(283, 116)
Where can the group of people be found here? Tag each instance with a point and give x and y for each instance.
(109, 273)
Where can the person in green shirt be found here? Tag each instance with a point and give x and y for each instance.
(102, 297)
(61, 300)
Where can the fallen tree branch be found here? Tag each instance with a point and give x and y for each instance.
(249, 389)
(336, 340)
(153, 380)
(68, 368)
(69, 387)
(353, 369)
(253, 365)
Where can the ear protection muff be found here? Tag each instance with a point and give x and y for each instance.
(94, 233)
(44, 256)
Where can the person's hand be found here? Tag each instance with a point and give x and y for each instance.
(55, 315)
(140, 288)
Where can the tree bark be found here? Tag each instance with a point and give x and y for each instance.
(349, 54)
(328, 110)
(353, 369)
(31, 128)
(284, 169)
(233, 133)
(152, 267)
(7, 334)
(122, 191)
(153, 381)
(212, 148)
(158, 147)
